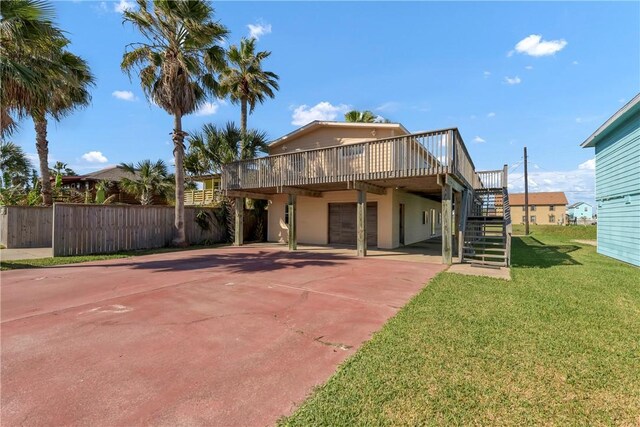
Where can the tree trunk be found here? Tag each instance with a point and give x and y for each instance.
(178, 155)
(42, 146)
(243, 117)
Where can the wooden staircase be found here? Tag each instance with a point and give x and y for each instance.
(487, 231)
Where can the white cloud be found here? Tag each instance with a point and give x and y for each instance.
(533, 45)
(473, 117)
(491, 114)
(578, 184)
(512, 80)
(125, 95)
(486, 74)
(304, 114)
(622, 100)
(575, 62)
(94, 157)
(479, 140)
(388, 107)
(588, 165)
(123, 5)
(528, 67)
(258, 30)
(208, 109)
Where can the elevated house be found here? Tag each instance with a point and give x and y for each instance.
(579, 211)
(208, 195)
(617, 147)
(376, 185)
(545, 208)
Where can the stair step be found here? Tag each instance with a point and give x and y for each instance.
(494, 263)
(484, 250)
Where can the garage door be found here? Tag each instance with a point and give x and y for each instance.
(343, 220)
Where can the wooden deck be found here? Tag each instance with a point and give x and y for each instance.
(384, 161)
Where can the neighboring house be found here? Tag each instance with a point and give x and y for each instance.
(208, 195)
(113, 175)
(360, 184)
(617, 146)
(545, 208)
(579, 211)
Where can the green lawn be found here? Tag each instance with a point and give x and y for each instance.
(559, 344)
(48, 262)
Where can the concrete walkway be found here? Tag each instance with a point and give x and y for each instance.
(475, 270)
(25, 253)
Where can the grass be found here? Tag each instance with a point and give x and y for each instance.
(580, 232)
(51, 261)
(559, 344)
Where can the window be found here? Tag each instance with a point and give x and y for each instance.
(286, 214)
(552, 219)
(351, 151)
(439, 217)
(425, 219)
(552, 208)
(533, 219)
(524, 219)
(532, 208)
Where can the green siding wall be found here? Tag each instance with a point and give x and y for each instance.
(618, 192)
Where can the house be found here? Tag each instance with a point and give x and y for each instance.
(579, 211)
(617, 146)
(113, 175)
(545, 208)
(209, 192)
(364, 184)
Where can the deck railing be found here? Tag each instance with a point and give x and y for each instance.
(201, 197)
(419, 154)
(492, 179)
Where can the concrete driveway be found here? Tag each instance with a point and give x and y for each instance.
(227, 336)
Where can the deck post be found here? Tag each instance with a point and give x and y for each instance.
(446, 224)
(293, 242)
(362, 224)
(457, 197)
(239, 223)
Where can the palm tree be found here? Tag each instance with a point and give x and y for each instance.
(365, 116)
(213, 147)
(14, 165)
(177, 67)
(62, 169)
(66, 92)
(28, 45)
(244, 80)
(149, 179)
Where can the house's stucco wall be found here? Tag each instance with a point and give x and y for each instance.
(330, 136)
(313, 217)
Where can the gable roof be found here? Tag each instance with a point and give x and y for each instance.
(576, 204)
(316, 124)
(622, 114)
(112, 173)
(544, 198)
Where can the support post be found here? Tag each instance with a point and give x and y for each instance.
(362, 223)
(239, 224)
(446, 225)
(456, 223)
(293, 239)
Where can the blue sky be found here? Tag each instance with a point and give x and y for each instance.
(544, 75)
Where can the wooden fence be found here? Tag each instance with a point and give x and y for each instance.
(25, 226)
(94, 229)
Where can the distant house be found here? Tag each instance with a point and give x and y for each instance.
(548, 208)
(113, 175)
(617, 144)
(580, 211)
(208, 195)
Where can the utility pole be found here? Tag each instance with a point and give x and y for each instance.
(526, 195)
